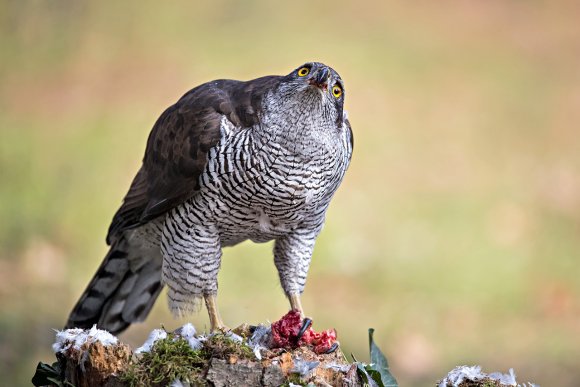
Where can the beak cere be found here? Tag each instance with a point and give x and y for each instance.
(320, 79)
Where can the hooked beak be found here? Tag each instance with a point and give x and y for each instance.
(320, 79)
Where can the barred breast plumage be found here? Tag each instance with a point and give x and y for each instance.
(278, 149)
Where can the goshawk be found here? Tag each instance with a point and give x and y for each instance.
(230, 161)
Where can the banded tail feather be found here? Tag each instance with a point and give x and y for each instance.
(120, 293)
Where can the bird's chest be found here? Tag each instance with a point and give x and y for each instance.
(280, 188)
(262, 194)
(291, 175)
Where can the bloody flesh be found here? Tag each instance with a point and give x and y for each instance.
(285, 334)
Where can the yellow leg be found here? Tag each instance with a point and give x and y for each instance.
(295, 303)
(215, 320)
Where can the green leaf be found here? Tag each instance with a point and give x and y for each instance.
(375, 375)
(380, 364)
(56, 381)
(367, 379)
(47, 375)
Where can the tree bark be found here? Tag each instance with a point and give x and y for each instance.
(99, 365)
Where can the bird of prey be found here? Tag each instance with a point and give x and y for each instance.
(228, 162)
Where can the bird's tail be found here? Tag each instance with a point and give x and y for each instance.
(121, 292)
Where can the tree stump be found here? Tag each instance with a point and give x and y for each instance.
(220, 362)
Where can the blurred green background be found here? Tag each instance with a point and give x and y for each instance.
(456, 233)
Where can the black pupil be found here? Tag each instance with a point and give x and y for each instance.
(336, 91)
(303, 71)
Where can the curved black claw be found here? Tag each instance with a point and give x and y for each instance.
(306, 323)
(332, 349)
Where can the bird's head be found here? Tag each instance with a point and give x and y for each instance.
(315, 87)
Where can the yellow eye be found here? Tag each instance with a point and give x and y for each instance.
(336, 91)
(303, 71)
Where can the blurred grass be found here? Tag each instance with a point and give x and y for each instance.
(455, 234)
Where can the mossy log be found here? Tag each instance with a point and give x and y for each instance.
(221, 362)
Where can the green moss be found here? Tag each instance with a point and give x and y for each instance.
(168, 360)
(172, 358)
(223, 347)
(293, 379)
